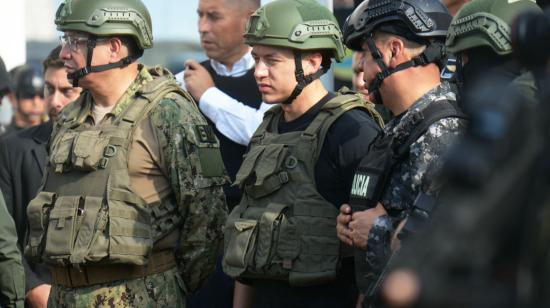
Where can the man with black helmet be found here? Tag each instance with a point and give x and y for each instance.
(131, 206)
(300, 163)
(23, 156)
(12, 286)
(494, 88)
(402, 42)
(27, 99)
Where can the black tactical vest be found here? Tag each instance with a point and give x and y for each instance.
(373, 173)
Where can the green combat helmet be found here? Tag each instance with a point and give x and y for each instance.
(301, 25)
(105, 18)
(486, 23)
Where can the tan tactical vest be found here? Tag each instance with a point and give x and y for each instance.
(283, 229)
(87, 211)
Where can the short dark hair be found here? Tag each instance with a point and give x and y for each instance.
(53, 60)
(131, 45)
(246, 4)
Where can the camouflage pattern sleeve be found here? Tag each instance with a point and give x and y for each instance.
(424, 155)
(427, 151)
(12, 283)
(191, 155)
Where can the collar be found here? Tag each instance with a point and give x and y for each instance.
(142, 79)
(239, 68)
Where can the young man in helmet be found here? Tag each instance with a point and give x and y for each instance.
(27, 99)
(12, 285)
(299, 166)
(23, 156)
(402, 56)
(131, 207)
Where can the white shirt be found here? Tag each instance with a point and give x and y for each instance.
(232, 118)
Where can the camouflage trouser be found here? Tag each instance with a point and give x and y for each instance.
(158, 290)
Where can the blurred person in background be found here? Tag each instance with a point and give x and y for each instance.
(23, 157)
(27, 98)
(226, 93)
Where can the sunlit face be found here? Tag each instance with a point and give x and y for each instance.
(221, 30)
(58, 91)
(274, 72)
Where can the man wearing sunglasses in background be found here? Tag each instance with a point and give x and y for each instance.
(22, 160)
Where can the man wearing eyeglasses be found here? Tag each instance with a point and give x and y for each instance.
(131, 209)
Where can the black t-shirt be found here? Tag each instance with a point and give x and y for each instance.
(346, 143)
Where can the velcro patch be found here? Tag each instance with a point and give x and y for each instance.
(205, 134)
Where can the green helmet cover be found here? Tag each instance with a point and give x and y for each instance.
(107, 18)
(486, 23)
(298, 24)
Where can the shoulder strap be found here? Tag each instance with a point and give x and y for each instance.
(423, 120)
(330, 112)
(150, 96)
(269, 116)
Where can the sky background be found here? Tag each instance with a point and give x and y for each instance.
(172, 19)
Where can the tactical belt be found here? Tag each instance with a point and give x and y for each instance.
(70, 277)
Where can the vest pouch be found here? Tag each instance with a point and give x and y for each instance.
(62, 229)
(90, 151)
(61, 152)
(130, 228)
(278, 242)
(37, 215)
(91, 227)
(246, 170)
(240, 246)
(269, 171)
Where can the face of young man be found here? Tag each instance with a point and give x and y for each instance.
(274, 72)
(58, 91)
(31, 109)
(221, 28)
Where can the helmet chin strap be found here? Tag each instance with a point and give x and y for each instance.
(91, 44)
(432, 54)
(302, 80)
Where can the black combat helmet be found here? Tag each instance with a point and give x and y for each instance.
(416, 20)
(28, 83)
(422, 21)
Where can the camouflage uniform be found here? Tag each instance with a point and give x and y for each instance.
(201, 211)
(12, 285)
(158, 290)
(408, 177)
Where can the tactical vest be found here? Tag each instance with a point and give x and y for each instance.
(87, 211)
(373, 173)
(283, 229)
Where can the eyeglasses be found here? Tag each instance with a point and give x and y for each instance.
(74, 41)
